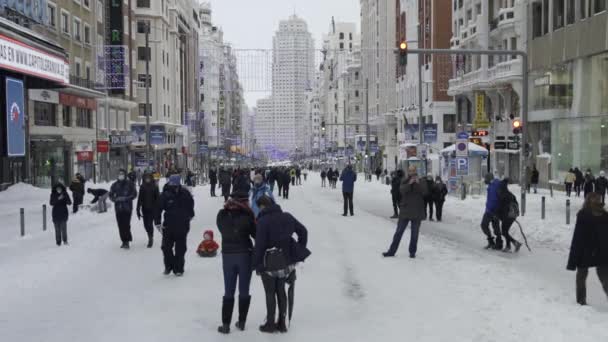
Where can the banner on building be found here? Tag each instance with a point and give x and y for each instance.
(15, 118)
(481, 119)
(84, 156)
(157, 134)
(103, 146)
(138, 133)
(429, 131)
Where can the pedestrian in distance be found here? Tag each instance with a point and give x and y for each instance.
(140, 176)
(259, 189)
(280, 179)
(534, 179)
(147, 205)
(292, 174)
(428, 200)
(271, 178)
(378, 173)
(348, 179)
(578, 183)
(589, 184)
(298, 176)
(330, 177)
(440, 191)
(122, 193)
(99, 196)
(275, 257)
(77, 188)
(396, 179)
(213, 181)
(601, 185)
(60, 200)
(323, 178)
(569, 181)
(177, 205)
(241, 182)
(305, 173)
(413, 192)
(225, 182)
(489, 216)
(507, 212)
(589, 246)
(528, 178)
(287, 179)
(236, 223)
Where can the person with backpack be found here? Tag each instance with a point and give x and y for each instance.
(589, 247)
(507, 213)
(60, 200)
(440, 191)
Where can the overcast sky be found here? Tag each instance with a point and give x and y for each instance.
(251, 24)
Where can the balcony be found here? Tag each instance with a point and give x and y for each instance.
(467, 82)
(505, 72)
(81, 82)
(504, 21)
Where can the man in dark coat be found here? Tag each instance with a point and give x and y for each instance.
(428, 200)
(213, 181)
(589, 185)
(378, 172)
(147, 205)
(225, 183)
(286, 184)
(280, 176)
(578, 183)
(323, 178)
(122, 193)
(348, 179)
(395, 193)
(99, 195)
(601, 185)
(440, 190)
(534, 179)
(77, 188)
(411, 209)
(60, 200)
(242, 183)
(177, 205)
(298, 176)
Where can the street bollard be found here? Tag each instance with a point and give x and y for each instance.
(551, 189)
(542, 208)
(463, 191)
(22, 214)
(44, 217)
(568, 212)
(523, 203)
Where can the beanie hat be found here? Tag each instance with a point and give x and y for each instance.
(175, 180)
(210, 233)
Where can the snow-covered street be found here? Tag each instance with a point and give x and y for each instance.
(454, 290)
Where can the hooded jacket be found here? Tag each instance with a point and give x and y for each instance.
(348, 178)
(237, 226)
(257, 191)
(60, 203)
(178, 207)
(148, 197)
(208, 246)
(411, 206)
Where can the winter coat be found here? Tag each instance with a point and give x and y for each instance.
(225, 178)
(213, 177)
(237, 226)
(178, 208)
(535, 176)
(570, 178)
(60, 203)
(440, 190)
(430, 187)
(492, 197)
(396, 183)
(348, 179)
(286, 179)
(242, 183)
(505, 198)
(122, 193)
(585, 247)
(323, 174)
(298, 173)
(257, 191)
(77, 189)
(411, 206)
(275, 229)
(292, 173)
(579, 177)
(208, 246)
(96, 194)
(132, 176)
(589, 183)
(148, 197)
(601, 184)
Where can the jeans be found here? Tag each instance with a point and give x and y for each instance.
(286, 192)
(535, 188)
(401, 226)
(439, 209)
(237, 266)
(102, 206)
(348, 202)
(581, 280)
(174, 239)
(280, 189)
(61, 232)
(299, 180)
(485, 226)
(275, 293)
(123, 218)
(323, 185)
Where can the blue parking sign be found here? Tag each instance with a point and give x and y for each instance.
(462, 166)
(15, 118)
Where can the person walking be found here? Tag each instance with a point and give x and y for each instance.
(589, 183)
(147, 205)
(323, 178)
(569, 181)
(258, 190)
(534, 179)
(77, 188)
(411, 209)
(440, 191)
(589, 247)
(236, 223)
(213, 180)
(378, 173)
(428, 200)
(578, 183)
(489, 216)
(292, 174)
(280, 179)
(225, 183)
(122, 193)
(348, 179)
(177, 205)
(287, 179)
(60, 200)
(395, 192)
(271, 179)
(276, 254)
(507, 215)
(298, 176)
(305, 173)
(601, 185)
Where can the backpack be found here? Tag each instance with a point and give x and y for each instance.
(512, 206)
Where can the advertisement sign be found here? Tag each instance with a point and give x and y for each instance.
(15, 118)
(115, 64)
(19, 57)
(77, 101)
(138, 133)
(481, 120)
(83, 147)
(203, 147)
(429, 133)
(121, 140)
(43, 95)
(84, 156)
(157, 134)
(103, 146)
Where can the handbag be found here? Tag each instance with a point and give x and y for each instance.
(275, 260)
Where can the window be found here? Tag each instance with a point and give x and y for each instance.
(469, 15)
(65, 22)
(570, 11)
(86, 3)
(76, 30)
(142, 109)
(52, 14)
(88, 72)
(537, 20)
(77, 68)
(143, 3)
(45, 114)
(350, 36)
(356, 76)
(357, 108)
(583, 8)
(558, 14)
(513, 46)
(99, 11)
(545, 17)
(144, 81)
(87, 34)
(141, 52)
(356, 93)
(341, 46)
(478, 9)
(142, 25)
(600, 6)
(341, 35)
(449, 123)
(67, 116)
(83, 118)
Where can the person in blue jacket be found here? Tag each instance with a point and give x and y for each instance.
(259, 189)
(348, 179)
(489, 216)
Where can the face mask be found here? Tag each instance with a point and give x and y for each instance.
(121, 177)
(59, 190)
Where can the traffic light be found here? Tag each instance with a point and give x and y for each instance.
(403, 53)
(323, 125)
(517, 126)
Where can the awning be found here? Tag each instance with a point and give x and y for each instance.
(474, 149)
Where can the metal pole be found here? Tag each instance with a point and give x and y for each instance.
(367, 162)
(524, 132)
(420, 112)
(107, 111)
(44, 217)
(568, 211)
(542, 208)
(148, 106)
(523, 203)
(22, 220)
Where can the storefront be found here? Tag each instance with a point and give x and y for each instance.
(83, 160)
(50, 160)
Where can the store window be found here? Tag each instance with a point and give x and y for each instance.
(84, 118)
(600, 6)
(45, 114)
(594, 91)
(67, 116)
(553, 88)
(449, 123)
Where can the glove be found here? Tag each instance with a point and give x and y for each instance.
(160, 228)
(139, 215)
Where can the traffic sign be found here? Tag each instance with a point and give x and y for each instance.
(500, 145)
(462, 166)
(462, 135)
(513, 146)
(462, 148)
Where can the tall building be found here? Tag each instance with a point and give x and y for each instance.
(487, 90)
(279, 120)
(378, 65)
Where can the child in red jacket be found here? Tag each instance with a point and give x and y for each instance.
(208, 248)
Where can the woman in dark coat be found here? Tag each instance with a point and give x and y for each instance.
(439, 190)
(236, 223)
(589, 245)
(274, 234)
(60, 200)
(147, 205)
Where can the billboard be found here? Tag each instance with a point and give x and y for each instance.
(157, 134)
(138, 133)
(429, 131)
(32, 9)
(15, 118)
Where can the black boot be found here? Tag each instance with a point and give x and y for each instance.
(490, 243)
(498, 244)
(150, 241)
(243, 311)
(227, 308)
(268, 327)
(281, 325)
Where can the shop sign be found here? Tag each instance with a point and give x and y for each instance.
(84, 156)
(119, 140)
(19, 57)
(412, 133)
(481, 120)
(83, 147)
(77, 101)
(103, 146)
(157, 134)
(15, 118)
(43, 95)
